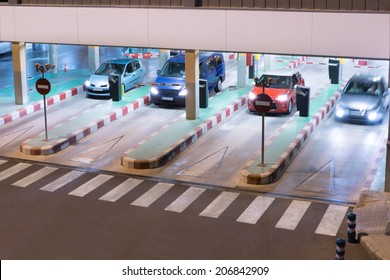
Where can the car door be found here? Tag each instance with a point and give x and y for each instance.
(211, 72)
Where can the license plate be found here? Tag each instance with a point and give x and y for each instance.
(98, 89)
(167, 98)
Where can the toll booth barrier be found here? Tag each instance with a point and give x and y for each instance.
(303, 101)
(203, 93)
(115, 87)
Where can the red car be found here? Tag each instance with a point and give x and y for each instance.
(281, 87)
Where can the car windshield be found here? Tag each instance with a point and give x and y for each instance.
(274, 81)
(173, 69)
(110, 68)
(363, 88)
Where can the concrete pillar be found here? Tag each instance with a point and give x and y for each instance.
(192, 84)
(256, 64)
(267, 62)
(93, 58)
(20, 73)
(164, 56)
(387, 174)
(242, 71)
(53, 57)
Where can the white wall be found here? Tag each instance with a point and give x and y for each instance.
(305, 33)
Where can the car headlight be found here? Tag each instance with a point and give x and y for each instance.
(153, 90)
(373, 116)
(282, 98)
(183, 92)
(87, 83)
(252, 95)
(340, 111)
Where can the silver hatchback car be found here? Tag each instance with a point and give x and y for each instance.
(132, 72)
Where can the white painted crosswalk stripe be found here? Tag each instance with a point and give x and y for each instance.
(332, 219)
(62, 181)
(34, 177)
(13, 170)
(219, 205)
(255, 210)
(2, 161)
(293, 215)
(183, 201)
(120, 190)
(152, 195)
(92, 184)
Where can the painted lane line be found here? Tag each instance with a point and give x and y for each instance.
(152, 195)
(332, 219)
(34, 177)
(92, 184)
(255, 210)
(183, 201)
(62, 181)
(293, 215)
(13, 170)
(121, 190)
(219, 205)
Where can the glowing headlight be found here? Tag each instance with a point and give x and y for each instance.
(153, 90)
(340, 112)
(252, 95)
(282, 98)
(87, 83)
(372, 116)
(183, 92)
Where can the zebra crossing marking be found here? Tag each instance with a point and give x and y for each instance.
(13, 170)
(219, 205)
(62, 181)
(183, 201)
(152, 195)
(121, 190)
(34, 177)
(329, 224)
(332, 219)
(293, 215)
(92, 184)
(255, 210)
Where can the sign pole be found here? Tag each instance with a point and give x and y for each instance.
(44, 112)
(262, 139)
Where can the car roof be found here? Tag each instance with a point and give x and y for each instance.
(363, 77)
(121, 60)
(202, 56)
(280, 72)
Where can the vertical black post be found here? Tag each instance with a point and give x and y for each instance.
(352, 228)
(340, 249)
(44, 111)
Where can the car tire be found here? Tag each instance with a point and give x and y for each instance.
(289, 107)
(218, 86)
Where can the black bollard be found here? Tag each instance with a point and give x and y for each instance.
(352, 227)
(340, 249)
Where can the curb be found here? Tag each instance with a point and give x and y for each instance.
(62, 143)
(186, 141)
(374, 246)
(29, 109)
(290, 152)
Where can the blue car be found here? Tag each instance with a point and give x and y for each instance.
(170, 84)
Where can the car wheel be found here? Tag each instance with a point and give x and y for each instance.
(218, 87)
(289, 107)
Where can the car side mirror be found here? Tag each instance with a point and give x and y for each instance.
(158, 72)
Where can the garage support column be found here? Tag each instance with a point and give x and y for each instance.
(53, 57)
(20, 72)
(267, 62)
(93, 58)
(192, 84)
(164, 56)
(242, 71)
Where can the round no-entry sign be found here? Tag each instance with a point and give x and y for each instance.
(43, 86)
(262, 103)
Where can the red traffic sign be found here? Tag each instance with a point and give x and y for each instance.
(43, 86)
(262, 103)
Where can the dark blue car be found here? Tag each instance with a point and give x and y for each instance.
(170, 84)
